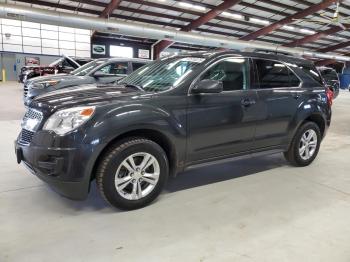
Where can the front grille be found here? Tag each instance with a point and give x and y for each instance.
(26, 136)
(31, 122)
(33, 114)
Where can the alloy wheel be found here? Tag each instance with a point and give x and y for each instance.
(308, 144)
(137, 176)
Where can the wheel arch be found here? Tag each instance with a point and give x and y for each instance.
(154, 135)
(315, 117)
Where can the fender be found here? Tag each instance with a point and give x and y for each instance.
(134, 117)
(309, 108)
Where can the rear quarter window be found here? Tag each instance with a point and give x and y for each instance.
(311, 72)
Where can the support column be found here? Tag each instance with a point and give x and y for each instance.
(159, 47)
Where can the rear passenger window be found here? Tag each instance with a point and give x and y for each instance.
(232, 72)
(273, 74)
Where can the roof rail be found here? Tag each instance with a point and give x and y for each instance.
(264, 51)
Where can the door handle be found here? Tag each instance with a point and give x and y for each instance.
(247, 102)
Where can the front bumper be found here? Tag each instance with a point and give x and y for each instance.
(67, 170)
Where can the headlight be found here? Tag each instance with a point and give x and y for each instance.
(45, 84)
(66, 120)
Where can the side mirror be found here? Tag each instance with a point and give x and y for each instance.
(207, 86)
(99, 74)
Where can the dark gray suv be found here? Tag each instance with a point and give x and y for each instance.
(100, 71)
(174, 113)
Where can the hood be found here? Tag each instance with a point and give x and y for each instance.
(87, 94)
(58, 77)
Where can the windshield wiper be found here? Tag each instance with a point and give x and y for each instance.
(139, 87)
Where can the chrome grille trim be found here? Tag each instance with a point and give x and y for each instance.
(26, 136)
(33, 114)
(25, 90)
(31, 121)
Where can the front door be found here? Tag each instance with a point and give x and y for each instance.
(223, 124)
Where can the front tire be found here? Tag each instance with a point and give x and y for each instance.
(132, 173)
(305, 145)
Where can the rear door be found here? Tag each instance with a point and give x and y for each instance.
(223, 124)
(278, 94)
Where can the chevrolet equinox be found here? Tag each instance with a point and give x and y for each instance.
(176, 112)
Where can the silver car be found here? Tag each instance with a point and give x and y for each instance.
(99, 71)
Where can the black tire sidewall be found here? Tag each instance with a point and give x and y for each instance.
(301, 131)
(108, 180)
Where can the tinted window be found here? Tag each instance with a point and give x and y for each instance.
(294, 80)
(272, 74)
(115, 68)
(311, 71)
(136, 66)
(232, 72)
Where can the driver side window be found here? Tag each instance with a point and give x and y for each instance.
(115, 69)
(232, 72)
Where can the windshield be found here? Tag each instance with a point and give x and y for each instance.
(162, 74)
(87, 68)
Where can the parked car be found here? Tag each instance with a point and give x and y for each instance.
(64, 64)
(101, 71)
(331, 78)
(175, 113)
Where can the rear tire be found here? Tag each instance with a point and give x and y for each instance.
(132, 173)
(305, 145)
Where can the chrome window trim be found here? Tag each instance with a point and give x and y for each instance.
(254, 89)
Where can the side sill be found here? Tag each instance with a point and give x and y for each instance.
(235, 157)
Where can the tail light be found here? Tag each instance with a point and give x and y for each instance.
(330, 96)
